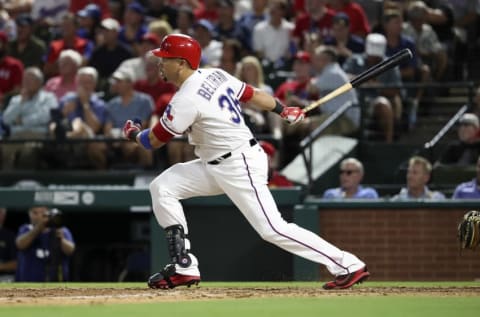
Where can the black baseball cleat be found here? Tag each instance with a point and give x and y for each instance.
(169, 278)
(348, 280)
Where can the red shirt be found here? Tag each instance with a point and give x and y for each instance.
(305, 24)
(278, 180)
(56, 47)
(11, 71)
(358, 19)
(161, 92)
(294, 87)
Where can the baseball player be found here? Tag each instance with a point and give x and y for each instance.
(207, 108)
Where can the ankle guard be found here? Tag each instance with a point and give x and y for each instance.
(176, 246)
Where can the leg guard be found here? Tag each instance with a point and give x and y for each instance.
(176, 246)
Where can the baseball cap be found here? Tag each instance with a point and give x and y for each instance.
(303, 56)
(151, 38)
(469, 118)
(341, 18)
(123, 74)
(24, 20)
(110, 24)
(375, 45)
(137, 7)
(90, 11)
(204, 23)
(268, 148)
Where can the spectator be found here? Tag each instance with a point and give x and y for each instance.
(162, 10)
(208, 10)
(471, 189)
(128, 104)
(86, 114)
(27, 116)
(312, 26)
(204, 33)
(429, 48)
(383, 104)
(275, 179)
(229, 28)
(111, 53)
(7, 24)
(49, 14)
(160, 28)
(89, 21)
(44, 247)
(418, 176)
(185, 20)
(271, 38)
(69, 40)
(351, 176)
(344, 42)
(69, 62)
(359, 24)
(103, 5)
(134, 26)
(27, 48)
(8, 256)
(249, 19)
(11, 70)
(136, 65)
(466, 149)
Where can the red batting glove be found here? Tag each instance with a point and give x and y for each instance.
(131, 129)
(292, 114)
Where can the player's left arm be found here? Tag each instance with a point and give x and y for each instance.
(265, 101)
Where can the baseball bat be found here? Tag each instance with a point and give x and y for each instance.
(373, 71)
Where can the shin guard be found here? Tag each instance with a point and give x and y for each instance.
(176, 246)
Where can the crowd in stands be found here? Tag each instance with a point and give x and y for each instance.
(76, 70)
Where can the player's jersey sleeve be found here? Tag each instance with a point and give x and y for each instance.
(179, 115)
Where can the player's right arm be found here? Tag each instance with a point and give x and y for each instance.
(149, 138)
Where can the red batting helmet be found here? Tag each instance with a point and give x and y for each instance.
(180, 46)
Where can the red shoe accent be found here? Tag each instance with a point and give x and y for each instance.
(168, 278)
(348, 280)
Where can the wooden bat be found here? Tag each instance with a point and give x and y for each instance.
(373, 71)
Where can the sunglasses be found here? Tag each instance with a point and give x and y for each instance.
(348, 172)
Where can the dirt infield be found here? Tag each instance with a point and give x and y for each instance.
(73, 296)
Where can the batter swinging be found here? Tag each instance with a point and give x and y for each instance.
(207, 108)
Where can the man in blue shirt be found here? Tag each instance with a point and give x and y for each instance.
(44, 248)
(351, 174)
(471, 189)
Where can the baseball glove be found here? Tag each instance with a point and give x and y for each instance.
(469, 230)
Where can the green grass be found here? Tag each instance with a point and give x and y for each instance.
(330, 306)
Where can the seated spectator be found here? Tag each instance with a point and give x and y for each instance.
(8, 252)
(134, 26)
(206, 9)
(344, 42)
(160, 28)
(27, 48)
(275, 179)
(272, 38)
(69, 41)
(466, 149)
(27, 116)
(44, 247)
(184, 20)
(231, 55)
(351, 175)
(128, 104)
(11, 70)
(359, 24)
(204, 33)
(256, 14)
(69, 62)
(107, 56)
(78, 5)
(471, 189)
(384, 105)
(85, 114)
(418, 176)
(228, 27)
(89, 21)
(162, 10)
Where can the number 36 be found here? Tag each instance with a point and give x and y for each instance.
(231, 103)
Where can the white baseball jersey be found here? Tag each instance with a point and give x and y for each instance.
(207, 108)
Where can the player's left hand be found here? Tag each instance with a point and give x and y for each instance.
(130, 128)
(292, 114)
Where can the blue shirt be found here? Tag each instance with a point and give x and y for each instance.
(33, 261)
(467, 190)
(428, 194)
(141, 107)
(362, 193)
(96, 104)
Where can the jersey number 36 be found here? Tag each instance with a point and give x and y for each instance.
(231, 103)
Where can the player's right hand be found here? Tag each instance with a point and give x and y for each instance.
(131, 129)
(292, 114)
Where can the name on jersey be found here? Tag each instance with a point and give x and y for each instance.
(210, 84)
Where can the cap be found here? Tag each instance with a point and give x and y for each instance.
(341, 17)
(375, 45)
(204, 23)
(469, 118)
(123, 74)
(24, 20)
(151, 38)
(110, 24)
(137, 7)
(268, 148)
(303, 56)
(90, 11)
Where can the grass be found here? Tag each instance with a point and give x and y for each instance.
(337, 305)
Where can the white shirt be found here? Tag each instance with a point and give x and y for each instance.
(207, 108)
(272, 42)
